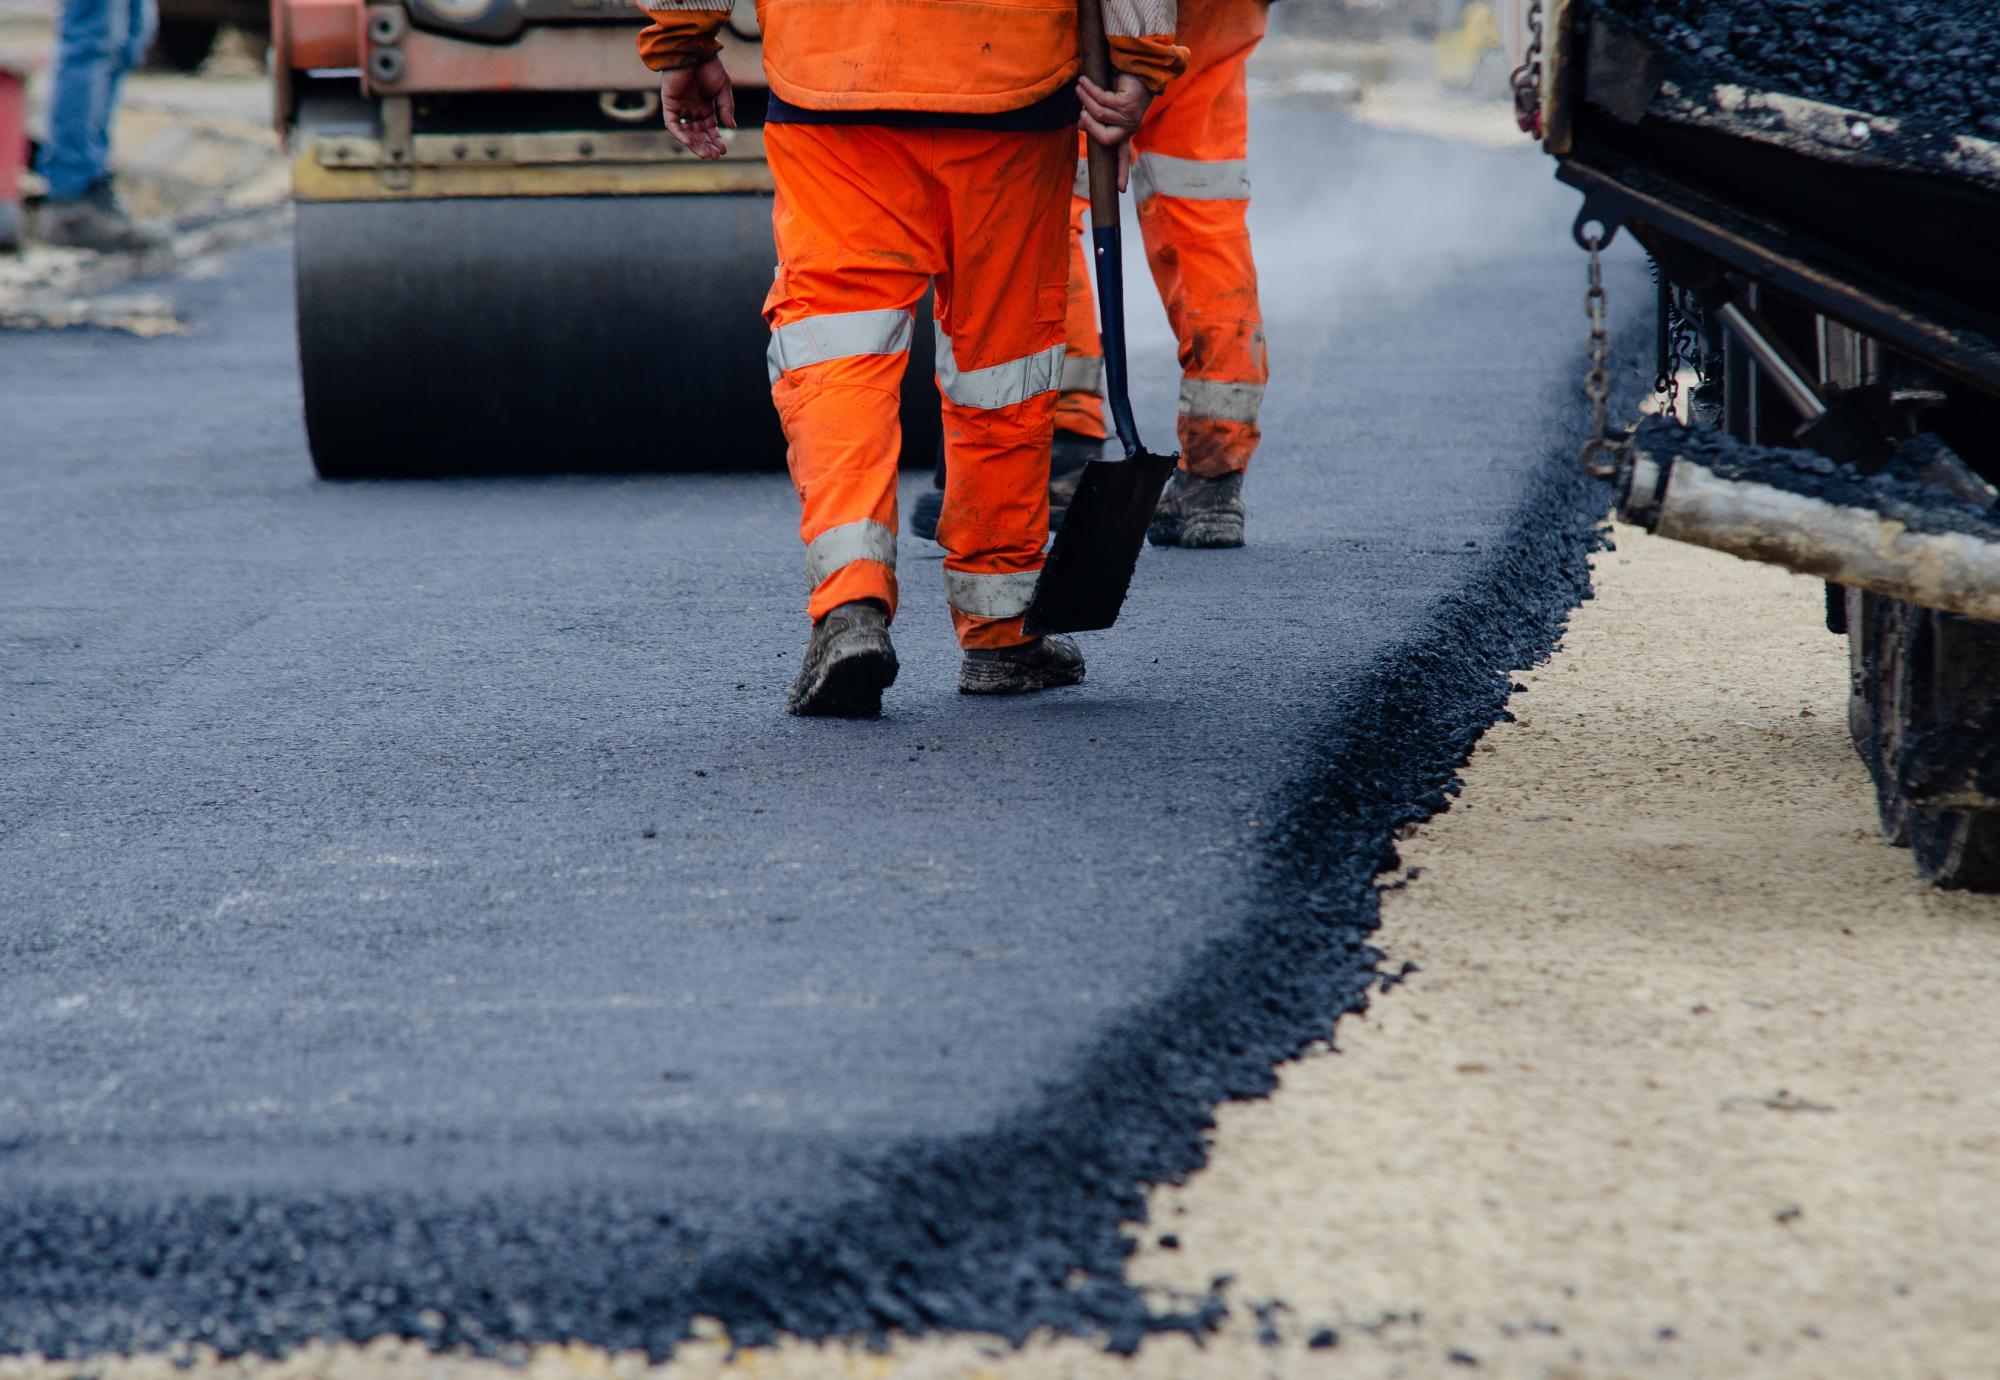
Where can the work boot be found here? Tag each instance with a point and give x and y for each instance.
(1039, 665)
(96, 221)
(848, 664)
(1199, 512)
(1067, 457)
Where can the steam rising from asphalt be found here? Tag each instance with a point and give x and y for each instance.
(1336, 219)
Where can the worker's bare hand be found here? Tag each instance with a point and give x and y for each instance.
(693, 101)
(1112, 117)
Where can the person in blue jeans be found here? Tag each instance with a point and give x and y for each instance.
(98, 43)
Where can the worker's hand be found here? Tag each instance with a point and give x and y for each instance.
(1112, 117)
(693, 100)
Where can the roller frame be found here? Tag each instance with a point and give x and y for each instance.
(529, 299)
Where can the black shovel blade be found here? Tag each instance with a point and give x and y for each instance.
(1097, 547)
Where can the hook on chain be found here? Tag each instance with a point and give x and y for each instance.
(1526, 80)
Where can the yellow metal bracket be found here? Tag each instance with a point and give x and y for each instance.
(345, 167)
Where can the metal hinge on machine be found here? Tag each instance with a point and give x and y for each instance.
(398, 171)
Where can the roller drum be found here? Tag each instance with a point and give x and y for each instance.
(480, 335)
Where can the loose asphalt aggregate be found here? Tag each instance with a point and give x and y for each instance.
(420, 915)
(1928, 63)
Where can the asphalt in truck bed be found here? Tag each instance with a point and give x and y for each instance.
(1930, 62)
(421, 917)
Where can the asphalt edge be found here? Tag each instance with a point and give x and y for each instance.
(1024, 1229)
(1004, 1233)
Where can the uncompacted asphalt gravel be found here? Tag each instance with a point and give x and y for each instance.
(1927, 62)
(421, 917)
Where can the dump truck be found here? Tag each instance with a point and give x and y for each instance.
(1818, 186)
(506, 263)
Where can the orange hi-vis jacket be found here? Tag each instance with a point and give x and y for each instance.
(962, 56)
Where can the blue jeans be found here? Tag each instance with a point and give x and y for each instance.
(100, 41)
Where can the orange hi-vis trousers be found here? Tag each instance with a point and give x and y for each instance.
(1191, 179)
(866, 218)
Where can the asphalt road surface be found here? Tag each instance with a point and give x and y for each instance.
(420, 915)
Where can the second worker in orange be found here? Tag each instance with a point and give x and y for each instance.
(918, 144)
(1191, 179)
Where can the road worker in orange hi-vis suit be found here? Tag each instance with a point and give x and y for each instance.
(1192, 184)
(918, 143)
(1191, 179)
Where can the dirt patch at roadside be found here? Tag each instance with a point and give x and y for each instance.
(1693, 1076)
(195, 152)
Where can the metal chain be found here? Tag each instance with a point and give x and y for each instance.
(1526, 79)
(1666, 365)
(1683, 348)
(1668, 384)
(1687, 337)
(1600, 452)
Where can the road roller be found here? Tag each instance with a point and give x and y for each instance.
(504, 261)
(1820, 195)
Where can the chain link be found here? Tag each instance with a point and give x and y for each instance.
(1526, 79)
(1600, 452)
(1683, 349)
(1687, 337)
(1668, 384)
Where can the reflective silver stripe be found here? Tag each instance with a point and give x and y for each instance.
(990, 596)
(1136, 18)
(837, 335)
(1083, 373)
(720, 6)
(846, 544)
(997, 385)
(1081, 187)
(1191, 179)
(1222, 402)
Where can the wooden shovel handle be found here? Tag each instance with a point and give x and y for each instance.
(1096, 51)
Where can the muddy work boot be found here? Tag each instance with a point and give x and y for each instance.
(1042, 664)
(848, 664)
(1199, 512)
(96, 221)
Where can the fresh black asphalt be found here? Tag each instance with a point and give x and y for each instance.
(417, 913)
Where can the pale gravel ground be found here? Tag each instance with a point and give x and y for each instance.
(1695, 1078)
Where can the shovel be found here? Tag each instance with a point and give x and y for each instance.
(1090, 566)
